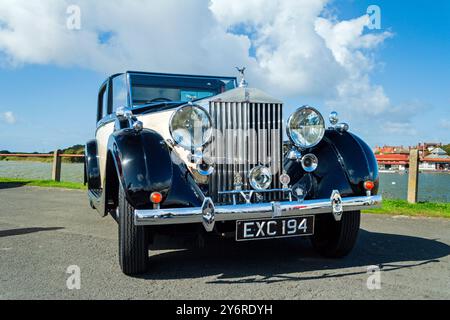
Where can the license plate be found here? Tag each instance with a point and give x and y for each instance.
(274, 228)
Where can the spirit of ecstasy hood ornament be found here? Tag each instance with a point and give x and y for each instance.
(243, 83)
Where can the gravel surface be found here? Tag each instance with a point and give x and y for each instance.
(43, 231)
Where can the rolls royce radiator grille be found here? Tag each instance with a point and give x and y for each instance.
(246, 135)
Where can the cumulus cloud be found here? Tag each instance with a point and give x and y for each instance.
(289, 47)
(349, 45)
(399, 128)
(179, 36)
(8, 117)
(290, 54)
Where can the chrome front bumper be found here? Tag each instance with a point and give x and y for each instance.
(208, 214)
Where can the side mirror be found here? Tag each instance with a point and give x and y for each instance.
(123, 113)
(126, 119)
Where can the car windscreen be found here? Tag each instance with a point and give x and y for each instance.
(150, 88)
(145, 95)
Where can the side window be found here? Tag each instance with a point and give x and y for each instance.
(119, 92)
(102, 103)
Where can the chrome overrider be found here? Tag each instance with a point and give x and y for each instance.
(208, 214)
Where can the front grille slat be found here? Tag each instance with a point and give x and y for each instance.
(247, 134)
(254, 140)
(229, 150)
(246, 111)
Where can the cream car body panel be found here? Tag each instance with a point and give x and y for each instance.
(102, 136)
(158, 121)
(155, 121)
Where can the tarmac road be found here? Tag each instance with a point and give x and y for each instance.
(44, 231)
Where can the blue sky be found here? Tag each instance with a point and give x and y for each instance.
(48, 93)
(415, 63)
(417, 59)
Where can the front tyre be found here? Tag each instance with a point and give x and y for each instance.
(335, 239)
(133, 244)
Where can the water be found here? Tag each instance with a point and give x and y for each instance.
(432, 186)
(40, 170)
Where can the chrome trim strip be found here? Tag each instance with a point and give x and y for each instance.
(255, 190)
(130, 92)
(251, 211)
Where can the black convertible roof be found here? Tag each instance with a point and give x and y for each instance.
(219, 84)
(182, 75)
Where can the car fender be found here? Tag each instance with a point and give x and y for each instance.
(142, 162)
(356, 158)
(345, 163)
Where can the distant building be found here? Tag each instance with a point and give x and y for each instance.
(437, 159)
(396, 158)
(391, 149)
(428, 146)
(393, 161)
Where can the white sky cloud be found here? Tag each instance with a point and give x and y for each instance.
(8, 117)
(399, 128)
(350, 46)
(297, 51)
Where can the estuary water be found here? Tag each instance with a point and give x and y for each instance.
(432, 186)
(40, 170)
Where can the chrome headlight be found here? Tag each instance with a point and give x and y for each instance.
(306, 127)
(260, 178)
(190, 127)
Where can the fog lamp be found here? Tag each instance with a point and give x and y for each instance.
(309, 162)
(260, 178)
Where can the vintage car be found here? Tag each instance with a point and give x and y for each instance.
(207, 154)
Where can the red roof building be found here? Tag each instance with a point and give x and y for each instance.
(431, 157)
(393, 159)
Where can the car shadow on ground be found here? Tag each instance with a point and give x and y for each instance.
(277, 260)
(21, 231)
(10, 185)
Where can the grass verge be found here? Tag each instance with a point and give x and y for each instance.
(402, 207)
(13, 182)
(41, 159)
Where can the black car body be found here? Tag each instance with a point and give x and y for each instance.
(201, 151)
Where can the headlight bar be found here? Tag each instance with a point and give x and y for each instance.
(184, 127)
(309, 119)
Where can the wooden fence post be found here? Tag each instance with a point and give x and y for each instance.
(56, 171)
(413, 178)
